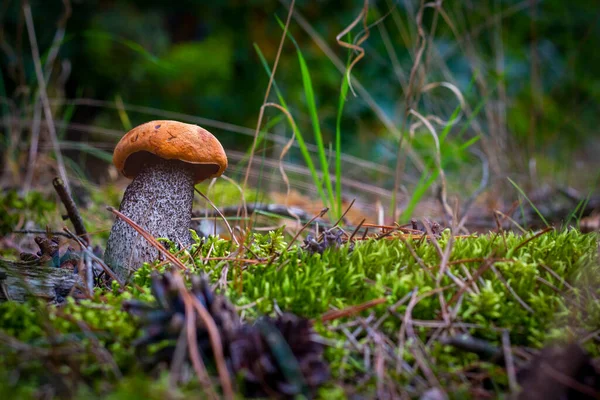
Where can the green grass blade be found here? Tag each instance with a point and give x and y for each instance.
(338, 143)
(529, 201)
(133, 46)
(299, 138)
(314, 116)
(312, 108)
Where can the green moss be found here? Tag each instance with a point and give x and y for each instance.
(309, 285)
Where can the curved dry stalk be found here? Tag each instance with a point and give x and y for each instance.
(284, 151)
(242, 198)
(438, 159)
(400, 159)
(220, 214)
(356, 47)
(454, 89)
(268, 91)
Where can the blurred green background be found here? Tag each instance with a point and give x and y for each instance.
(529, 72)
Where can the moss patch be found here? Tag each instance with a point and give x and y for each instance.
(539, 290)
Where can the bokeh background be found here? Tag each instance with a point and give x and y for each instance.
(528, 74)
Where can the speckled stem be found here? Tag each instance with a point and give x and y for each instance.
(160, 200)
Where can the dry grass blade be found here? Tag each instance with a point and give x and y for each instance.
(161, 249)
(220, 214)
(345, 212)
(512, 291)
(194, 353)
(488, 263)
(192, 304)
(284, 151)
(320, 215)
(35, 128)
(44, 94)
(91, 254)
(217, 347)
(510, 363)
(401, 160)
(346, 312)
(540, 233)
(242, 197)
(268, 91)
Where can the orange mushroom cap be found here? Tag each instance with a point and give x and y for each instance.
(170, 140)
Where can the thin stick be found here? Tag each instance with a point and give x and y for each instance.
(44, 94)
(149, 238)
(217, 347)
(323, 211)
(346, 312)
(356, 229)
(90, 253)
(345, 212)
(540, 233)
(510, 363)
(197, 362)
(71, 208)
(512, 291)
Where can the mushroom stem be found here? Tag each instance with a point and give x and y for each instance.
(160, 200)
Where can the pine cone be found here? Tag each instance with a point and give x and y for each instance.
(560, 372)
(278, 357)
(166, 320)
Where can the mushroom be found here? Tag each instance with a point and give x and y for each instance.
(165, 159)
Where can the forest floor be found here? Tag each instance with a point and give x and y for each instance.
(347, 310)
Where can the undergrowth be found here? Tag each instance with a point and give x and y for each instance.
(540, 290)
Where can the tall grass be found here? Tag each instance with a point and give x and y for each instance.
(330, 197)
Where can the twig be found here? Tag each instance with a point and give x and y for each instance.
(194, 353)
(71, 208)
(510, 363)
(40, 232)
(91, 254)
(319, 215)
(345, 212)
(215, 341)
(540, 233)
(511, 290)
(148, 237)
(346, 312)
(44, 94)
